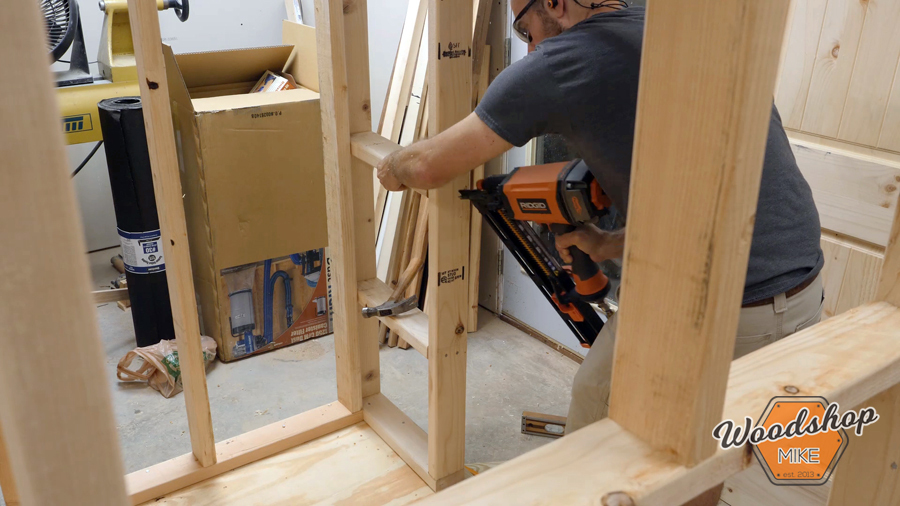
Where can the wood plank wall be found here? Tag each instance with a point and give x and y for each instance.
(839, 77)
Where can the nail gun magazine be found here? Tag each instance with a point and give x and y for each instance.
(561, 196)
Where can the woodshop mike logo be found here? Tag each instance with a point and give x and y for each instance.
(797, 440)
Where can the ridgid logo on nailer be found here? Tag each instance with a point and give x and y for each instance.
(534, 206)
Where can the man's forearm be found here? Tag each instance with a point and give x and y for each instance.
(410, 167)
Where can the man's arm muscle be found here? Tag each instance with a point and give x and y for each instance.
(433, 162)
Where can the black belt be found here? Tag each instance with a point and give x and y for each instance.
(788, 294)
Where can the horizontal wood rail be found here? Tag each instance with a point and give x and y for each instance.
(183, 471)
(371, 148)
(411, 326)
(846, 359)
(114, 295)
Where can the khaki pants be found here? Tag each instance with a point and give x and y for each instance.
(758, 326)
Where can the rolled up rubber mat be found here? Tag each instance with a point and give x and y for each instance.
(128, 161)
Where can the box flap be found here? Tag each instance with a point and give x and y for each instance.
(303, 63)
(226, 102)
(233, 66)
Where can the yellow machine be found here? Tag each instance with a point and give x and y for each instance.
(78, 104)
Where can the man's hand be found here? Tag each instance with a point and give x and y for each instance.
(600, 245)
(386, 173)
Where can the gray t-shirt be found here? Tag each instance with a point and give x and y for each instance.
(583, 85)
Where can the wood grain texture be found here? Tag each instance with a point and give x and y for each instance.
(481, 81)
(889, 284)
(799, 58)
(180, 472)
(851, 273)
(846, 359)
(55, 409)
(751, 487)
(450, 92)
(689, 231)
(351, 237)
(873, 73)
(352, 466)
(889, 138)
(404, 69)
(400, 433)
(856, 195)
(173, 228)
(356, 45)
(835, 56)
(867, 473)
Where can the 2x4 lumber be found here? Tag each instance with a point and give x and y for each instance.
(55, 409)
(371, 148)
(477, 174)
(868, 473)
(688, 235)
(868, 469)
(604, 458)
(400, 433)
(345, 232)
(356, 45)
(407, 56)
(889, 284)
(175, 474)
(113, 295)
(154, 88)
(411, 326)
(450, 89)
(481, 17)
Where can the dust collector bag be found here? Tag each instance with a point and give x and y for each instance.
(128, 161)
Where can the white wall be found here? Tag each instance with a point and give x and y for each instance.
(218, 24)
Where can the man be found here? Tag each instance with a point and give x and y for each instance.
(580, 80)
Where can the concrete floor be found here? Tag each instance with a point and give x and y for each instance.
(508, 372)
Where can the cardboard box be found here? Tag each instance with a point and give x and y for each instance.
(253, 178)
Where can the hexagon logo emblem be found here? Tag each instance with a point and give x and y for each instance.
(808, 457)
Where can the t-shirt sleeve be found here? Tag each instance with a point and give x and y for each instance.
(518, 102)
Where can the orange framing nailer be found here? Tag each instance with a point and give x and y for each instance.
(563, 196)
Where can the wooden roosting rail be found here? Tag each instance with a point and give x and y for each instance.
(706, 85)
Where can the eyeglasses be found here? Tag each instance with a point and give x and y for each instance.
(521, 32)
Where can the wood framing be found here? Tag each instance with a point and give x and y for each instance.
(55, 409)
(167, 187)
(605, 458)
(688, 234)
(685, 266)
(171, 475)
(450, 81)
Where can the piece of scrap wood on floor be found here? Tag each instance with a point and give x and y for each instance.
(350, 466)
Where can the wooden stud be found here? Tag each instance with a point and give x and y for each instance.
(167, 186)
(450, 88)
(867, 473)
(889, 285)
(686, 265)
(603, 458)
(481, 79)
(335, 105)
(55, 409)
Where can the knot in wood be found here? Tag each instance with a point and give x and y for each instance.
(791, 389)
(460, 329)
(617, 499)
(836, 51)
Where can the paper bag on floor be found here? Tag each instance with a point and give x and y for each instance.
(159, 365)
